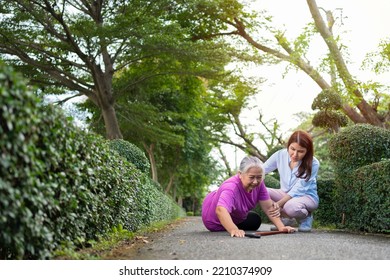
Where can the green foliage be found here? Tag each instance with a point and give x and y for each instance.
(168, 113)
(131, 153)
(143, 40)
(330, 119)
(379, 60)
(61, 186)
(155, 206)
(370, 193)
(359, 145)
(271, 182)
(200, 16)
(328, 102)
(361, 154)
(326, 213)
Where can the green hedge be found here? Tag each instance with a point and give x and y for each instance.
(326, 213)
(360, 154)
(59, 185)
(369, 198)
(271, 182)
(358, 145)
(131, 153)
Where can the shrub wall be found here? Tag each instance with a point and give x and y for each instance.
(326, 213)
(369, 195)
(357, 146)
(360, 154)
(60, 185)
(271, 182)
(131, 153)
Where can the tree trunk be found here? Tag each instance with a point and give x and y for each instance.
(226, 162)
(111, 123)
(180, 201)
(153, 166)
(170, 183)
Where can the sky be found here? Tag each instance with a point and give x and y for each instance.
(366, 23)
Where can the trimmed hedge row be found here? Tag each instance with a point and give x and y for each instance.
(361, 155)
(358, 145)
(59, 185)
(369, 198)
(326, 213)
(131, 153)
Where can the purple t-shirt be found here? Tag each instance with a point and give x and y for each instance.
(232, 196)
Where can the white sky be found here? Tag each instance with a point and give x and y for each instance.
(367, 22)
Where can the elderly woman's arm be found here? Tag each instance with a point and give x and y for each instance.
(227, 222)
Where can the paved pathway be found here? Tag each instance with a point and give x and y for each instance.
(189, 240)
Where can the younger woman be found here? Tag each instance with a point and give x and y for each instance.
(298, 168)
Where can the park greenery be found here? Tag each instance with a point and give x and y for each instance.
(160, 101)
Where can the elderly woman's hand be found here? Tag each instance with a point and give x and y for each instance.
(288, 229)
(237, 233)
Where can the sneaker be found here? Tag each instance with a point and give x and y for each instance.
(286, 221)
(305, 224)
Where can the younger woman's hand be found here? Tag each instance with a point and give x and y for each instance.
(274, 210)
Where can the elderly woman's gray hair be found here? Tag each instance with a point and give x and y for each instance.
(249, 162)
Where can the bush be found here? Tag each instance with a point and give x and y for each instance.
(358, 154)
(131, 153)
(369, 198)
(59, 185)
(155, 206)
(271, 182)
(326, 213)
(359, 145)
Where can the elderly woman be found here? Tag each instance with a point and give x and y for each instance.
(229, 207)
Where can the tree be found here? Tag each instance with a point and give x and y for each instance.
(227, 101)
(368, 113)
(78, 47)
(230, 21)
(165, 115)
(379, 62)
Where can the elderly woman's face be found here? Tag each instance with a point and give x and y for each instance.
(252, 178)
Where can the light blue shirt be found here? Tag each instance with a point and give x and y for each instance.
(289, 183)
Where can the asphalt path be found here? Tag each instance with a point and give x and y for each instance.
(190, 240)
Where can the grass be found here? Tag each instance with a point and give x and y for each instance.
(96, 250)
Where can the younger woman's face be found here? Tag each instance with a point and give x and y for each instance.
(252, 178)
(296, 152)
